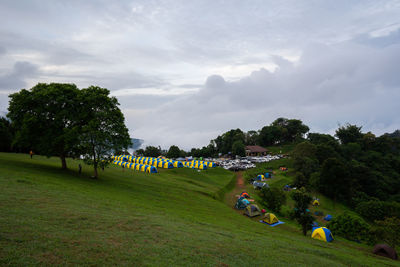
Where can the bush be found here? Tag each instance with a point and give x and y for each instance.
(350, 227)
(377, 210)
(388, 231)
(273, 198)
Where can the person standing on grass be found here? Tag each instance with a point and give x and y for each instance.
(80, 168)
(31, 154)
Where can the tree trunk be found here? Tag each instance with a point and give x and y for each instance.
(63, 162)
(95, 172)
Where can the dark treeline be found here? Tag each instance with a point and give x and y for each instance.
(281, 131)
(355, 168)
(233, 142)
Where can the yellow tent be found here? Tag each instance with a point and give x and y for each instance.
(270, 218)
(315, 202)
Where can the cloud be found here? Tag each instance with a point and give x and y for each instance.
(328, 85)
(16, 78)
(185, 72)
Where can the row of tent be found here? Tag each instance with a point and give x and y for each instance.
(252, 210)
(195, 165)
(136, 166)
(156, 162)
(166, 163)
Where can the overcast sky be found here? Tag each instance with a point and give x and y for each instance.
(187, 71)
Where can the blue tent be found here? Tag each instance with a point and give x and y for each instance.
(322, 233)
(328, 217)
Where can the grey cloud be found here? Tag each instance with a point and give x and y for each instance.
(16, 78)
(329, 85)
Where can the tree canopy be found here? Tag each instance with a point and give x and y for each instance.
(46, 119)
(102, 130)
(60, 120)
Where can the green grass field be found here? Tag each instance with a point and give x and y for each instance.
(174, 218)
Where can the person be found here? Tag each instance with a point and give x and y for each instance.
(31, 153)
(80, 169)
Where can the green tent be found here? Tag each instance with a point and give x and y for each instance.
(252, 210)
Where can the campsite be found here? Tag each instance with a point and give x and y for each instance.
(175, 217)
(199, 133)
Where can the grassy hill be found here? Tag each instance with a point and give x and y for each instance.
(176, 217)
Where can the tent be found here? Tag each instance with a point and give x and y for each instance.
(177, 164)
(385, 251)
(259, 185)
(328, 217)
(153, 169)
(252, 210)
(268, 175)
(211, 164)
(245, 195)
(315, 202)
(241, 203)
(260, 177)
(322, 233)
(270, 218)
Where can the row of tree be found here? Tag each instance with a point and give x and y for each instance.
(233, 142)
(357, 168)
(65, 121)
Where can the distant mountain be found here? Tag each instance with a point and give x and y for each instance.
(136, 143)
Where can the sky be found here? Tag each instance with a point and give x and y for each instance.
(184, 72)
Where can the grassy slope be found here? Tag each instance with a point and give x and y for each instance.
(50, 216)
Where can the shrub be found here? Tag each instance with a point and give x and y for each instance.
(388, 231)
(273, 198)
(377, 210)
(350, 227)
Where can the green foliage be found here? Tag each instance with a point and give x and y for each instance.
(238, 149)
(140, 152)
(46, 119)
(224, 142)
(173, 152)
(304, 160)
(103, 131)
(350, 227)
(377, 210)
(335, 180)
(205, 151)
(302, 200)
(349, 134)
(269, 135)
(273, 198)
(300, 180)
(251, 138)
(282, 130)
(6, 135)
(388, 231)
(152, 151)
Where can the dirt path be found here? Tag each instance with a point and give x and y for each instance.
(231, 197)
(239, 180)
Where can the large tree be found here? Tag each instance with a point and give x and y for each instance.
(349, 134)
(45, 117)
(102, 126)
(173, 152)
